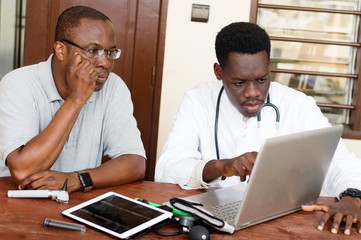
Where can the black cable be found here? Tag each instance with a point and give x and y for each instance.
(216, 124)
(269, 104)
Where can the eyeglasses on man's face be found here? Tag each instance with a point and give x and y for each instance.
(96, 52)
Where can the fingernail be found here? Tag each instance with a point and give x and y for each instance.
(320, 227)
(333, 230)
(347, 232)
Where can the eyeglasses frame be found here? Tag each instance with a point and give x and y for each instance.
(87, 50)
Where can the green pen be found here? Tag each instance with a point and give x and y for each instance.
(174, 211)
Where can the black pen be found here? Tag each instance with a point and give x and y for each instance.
(51, 223)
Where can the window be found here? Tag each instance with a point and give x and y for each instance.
(12, 30)
(315, 49)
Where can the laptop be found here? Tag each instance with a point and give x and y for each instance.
(289, 172)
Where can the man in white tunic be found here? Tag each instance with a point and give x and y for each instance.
(189, 157)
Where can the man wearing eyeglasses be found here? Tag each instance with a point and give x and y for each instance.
(60, 117)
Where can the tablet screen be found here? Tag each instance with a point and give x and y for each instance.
(116, 214)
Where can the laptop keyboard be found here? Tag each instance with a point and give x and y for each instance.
(227, 211)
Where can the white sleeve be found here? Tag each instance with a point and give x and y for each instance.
(181, 161)
(196, 179)
(344, 172)
(345, 169)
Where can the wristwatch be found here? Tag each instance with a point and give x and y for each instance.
(353, 192)
(86, 180)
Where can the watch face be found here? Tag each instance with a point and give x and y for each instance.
(353, 192)
(87, 181)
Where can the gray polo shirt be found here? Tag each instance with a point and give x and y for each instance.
(105, 126)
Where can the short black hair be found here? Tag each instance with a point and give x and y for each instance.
(69, 20)
(241, 37)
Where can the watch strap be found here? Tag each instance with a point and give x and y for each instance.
(85, 180)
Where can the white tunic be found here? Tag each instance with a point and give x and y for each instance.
(190, 144)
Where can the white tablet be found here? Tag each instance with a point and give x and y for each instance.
(117, 215)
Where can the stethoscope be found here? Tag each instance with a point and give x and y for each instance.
(267, 104)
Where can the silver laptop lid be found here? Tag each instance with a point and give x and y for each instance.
(289, 172)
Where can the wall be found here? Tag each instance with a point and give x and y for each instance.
(7, 36)
(189, 52)
(189, 55)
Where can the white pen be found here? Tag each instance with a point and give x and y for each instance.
(58, 195)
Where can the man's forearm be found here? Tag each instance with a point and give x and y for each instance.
(41, 152)
(123, 169)
(211, 170)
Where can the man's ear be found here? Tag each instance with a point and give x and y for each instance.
(217, 71)
(59, 50)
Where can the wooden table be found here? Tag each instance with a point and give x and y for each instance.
(23, 218)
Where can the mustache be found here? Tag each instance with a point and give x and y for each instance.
(103, 73)
(253, 101)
